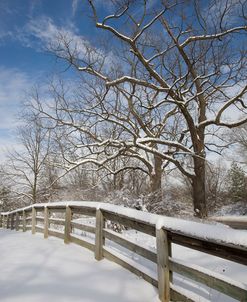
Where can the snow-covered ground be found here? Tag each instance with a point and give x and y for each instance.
(38, 270)
(34, 269)
(208, 231)
(228, 269)
(235, 208)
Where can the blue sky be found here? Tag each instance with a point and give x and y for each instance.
(26, 28)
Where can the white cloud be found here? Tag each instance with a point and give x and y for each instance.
(38, 33)
(5, 34)
(13, 86)
(8, 144)
(42, 33)
(33, 6)
(75, 4)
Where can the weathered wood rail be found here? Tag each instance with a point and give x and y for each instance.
(235, 222)
(40, 218)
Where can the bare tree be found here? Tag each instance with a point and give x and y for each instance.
(239, 138)
(174, 76)
(6, 202)
(105, 131)
(24, 168)
(216, 185)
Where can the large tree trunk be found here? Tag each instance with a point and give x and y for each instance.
(154, 199)
(118, 181)
(199, 188)
(156, 175)
(34, 190)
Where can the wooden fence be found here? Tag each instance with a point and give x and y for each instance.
(41, 218)
(235, 222)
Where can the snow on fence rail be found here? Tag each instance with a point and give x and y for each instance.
(167, 231)
(235, 222)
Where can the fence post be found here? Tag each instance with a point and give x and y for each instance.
(67, 227)
(7, 221)
(24, 222)
(99, 238)
(163, 264)
(12, 221)
(33, 220)
(1, 220)
(17, 219)
(170, 255)
(46, 222)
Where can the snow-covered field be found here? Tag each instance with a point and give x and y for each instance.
(38, 270)
(34, 269)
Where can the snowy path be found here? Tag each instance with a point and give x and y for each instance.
(34, 269)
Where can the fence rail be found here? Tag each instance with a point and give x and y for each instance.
(235, 222)
(40, 217)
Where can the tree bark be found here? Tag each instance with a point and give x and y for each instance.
(155, 192)
(156, 175)
(199, 189)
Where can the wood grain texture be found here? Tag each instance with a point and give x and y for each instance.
(163, 265)
(99, 236)
(67, 227)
